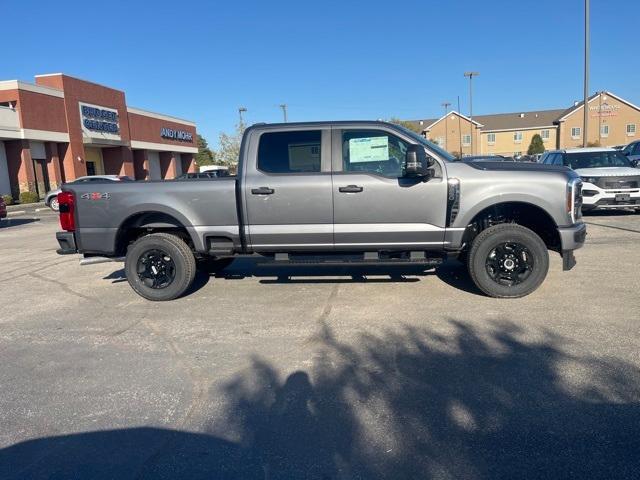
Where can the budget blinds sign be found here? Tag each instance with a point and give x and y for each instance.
(180, 135)
(99, 122)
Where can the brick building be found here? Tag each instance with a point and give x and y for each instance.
(612, 121)
(62, 127)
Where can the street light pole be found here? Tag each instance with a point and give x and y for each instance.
(471, 75)
(283, 106)
(240, 111)
(585, 105)
(446, 128)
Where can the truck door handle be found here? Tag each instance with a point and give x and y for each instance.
(350, 189)
(262, 191)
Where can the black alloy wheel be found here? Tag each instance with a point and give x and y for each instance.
(509, 263)
(156, 269)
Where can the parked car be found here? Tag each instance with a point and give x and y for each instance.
(51, 198)
(3, 209)
(618, 147)
(632, 150)
(487, 158)
(207, 174)
(611, 180)
(338, 192)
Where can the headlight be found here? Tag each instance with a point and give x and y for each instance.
(593, 180)
(574, 199)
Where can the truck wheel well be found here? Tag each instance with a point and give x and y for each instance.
(144, 223)
(521, 213)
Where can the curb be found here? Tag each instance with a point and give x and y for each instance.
(24, 207)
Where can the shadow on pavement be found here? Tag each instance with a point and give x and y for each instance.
(16, 222)
(451, 272)
(408, 403)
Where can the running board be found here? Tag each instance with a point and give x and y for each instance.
(96, 260)
(419, 259)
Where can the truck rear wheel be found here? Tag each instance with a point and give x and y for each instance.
(160, 266)
(508, 261)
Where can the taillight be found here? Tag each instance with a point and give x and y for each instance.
(66, 202)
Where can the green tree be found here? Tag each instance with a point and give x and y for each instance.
(229, 150)
(205, 155)
(536, 146)
(414, 126)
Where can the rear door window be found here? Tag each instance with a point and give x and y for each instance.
(290, 152)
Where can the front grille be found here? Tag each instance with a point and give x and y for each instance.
(614, 183)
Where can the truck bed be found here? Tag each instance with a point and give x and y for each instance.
(204, 207)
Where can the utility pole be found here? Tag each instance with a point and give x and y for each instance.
(446, 106)
(471, 75)
(600, 118)
(283, 106)
(585, 105)
(459, 127)
(240, 111)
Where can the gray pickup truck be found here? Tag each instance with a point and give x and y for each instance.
(352, 192)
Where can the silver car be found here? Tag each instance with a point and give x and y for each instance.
(51, 199)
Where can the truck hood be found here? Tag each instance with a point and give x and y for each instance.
(608, 172)
(518, 167)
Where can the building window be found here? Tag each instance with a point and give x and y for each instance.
(576, 132)
(491, 138)
(631, 129)
(517, 137)
(466, 140)
(440, 141)
(604, 130)
(545, 135)
(517, 154)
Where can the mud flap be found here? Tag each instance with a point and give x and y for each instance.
(568, 260)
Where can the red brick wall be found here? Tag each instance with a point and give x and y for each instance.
(118, 161)
(41, 112)
(147, 129)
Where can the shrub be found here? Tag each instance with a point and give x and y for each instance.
(8, 199)
(536, 146)
(29, 197)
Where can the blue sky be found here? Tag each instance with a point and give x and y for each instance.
(326, 59)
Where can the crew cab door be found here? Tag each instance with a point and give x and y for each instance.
(287, 190)
(374, 206)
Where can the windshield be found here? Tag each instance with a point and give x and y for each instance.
(596, 160)
(432, 146)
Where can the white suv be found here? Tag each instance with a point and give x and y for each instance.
(610, 179)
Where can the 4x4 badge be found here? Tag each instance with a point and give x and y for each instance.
(95, 196)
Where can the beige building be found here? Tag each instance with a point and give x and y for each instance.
(612, 121)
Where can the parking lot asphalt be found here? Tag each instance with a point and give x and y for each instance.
(283, 372)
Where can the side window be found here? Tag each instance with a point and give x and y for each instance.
(290, 152)
(373, 151)
(548, 159)
(636, 149)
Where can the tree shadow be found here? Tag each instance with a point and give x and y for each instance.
(407, 403)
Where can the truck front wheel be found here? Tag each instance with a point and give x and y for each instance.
(160, 266)
(508, 261)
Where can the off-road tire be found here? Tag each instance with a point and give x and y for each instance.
(181, 256)
(497, 235)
